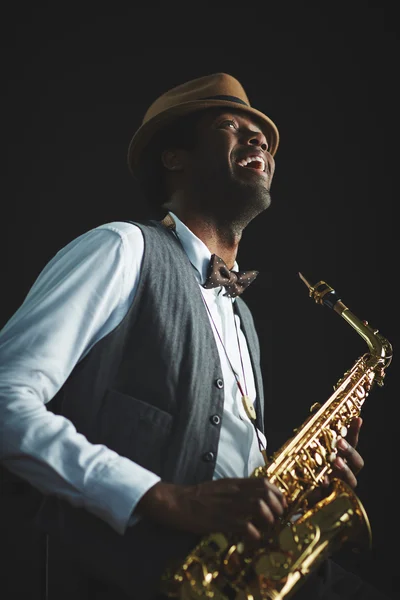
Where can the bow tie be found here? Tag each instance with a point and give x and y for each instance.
(235, 282)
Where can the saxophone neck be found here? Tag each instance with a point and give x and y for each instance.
(379, 347)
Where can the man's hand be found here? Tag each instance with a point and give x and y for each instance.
(349, 462)
(243, 506)
(346, 465)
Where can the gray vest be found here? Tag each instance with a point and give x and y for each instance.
(151, 391)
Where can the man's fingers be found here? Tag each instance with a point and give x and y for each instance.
(250, 532)
(263, 513)
(254, 489)
(260, 518)
(261, 503)
(273, 494)
(345, 473)
(277, 504)
(253, 511)
(354, 431)
(350, 455)
(222, 505)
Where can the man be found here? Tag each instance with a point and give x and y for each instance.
(150, 366)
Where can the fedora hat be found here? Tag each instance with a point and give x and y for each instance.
(218, 89)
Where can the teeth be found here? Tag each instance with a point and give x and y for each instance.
(249, 159)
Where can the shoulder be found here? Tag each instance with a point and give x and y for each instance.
(124, 230)
(115, 236)
(115, 245)
(133, 231)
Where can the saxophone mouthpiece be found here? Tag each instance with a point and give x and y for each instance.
(322, 293)
(305, 281)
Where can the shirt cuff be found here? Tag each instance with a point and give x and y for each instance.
(115, 490)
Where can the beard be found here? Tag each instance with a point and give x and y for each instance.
(236, 205)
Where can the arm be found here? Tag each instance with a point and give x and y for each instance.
(81, 295)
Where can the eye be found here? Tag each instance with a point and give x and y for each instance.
(230, 123)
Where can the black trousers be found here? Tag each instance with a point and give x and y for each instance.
(330, 582)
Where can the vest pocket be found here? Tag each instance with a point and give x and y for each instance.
(135, 429)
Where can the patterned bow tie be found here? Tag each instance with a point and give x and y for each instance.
(235, 282)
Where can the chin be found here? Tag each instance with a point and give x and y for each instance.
(240, 202)
(254, 200)
(241, 214)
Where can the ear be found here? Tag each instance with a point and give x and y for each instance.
(172, 160)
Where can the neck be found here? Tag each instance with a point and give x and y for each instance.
(220, 238)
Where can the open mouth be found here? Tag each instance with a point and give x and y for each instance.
(253, 162)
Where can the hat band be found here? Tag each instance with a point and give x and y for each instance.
(228, 98)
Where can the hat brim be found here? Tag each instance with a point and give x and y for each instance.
(145, 133)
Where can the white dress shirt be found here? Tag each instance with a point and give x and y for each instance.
(81, 295)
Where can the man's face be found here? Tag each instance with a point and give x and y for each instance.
(230, 164)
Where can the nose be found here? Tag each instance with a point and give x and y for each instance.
(257, 138)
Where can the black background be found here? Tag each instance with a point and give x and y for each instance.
(75, 90)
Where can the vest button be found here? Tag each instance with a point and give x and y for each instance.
(208, 456)
(215, 419)
(219, 383)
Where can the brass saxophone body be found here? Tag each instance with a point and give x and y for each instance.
(222, 567)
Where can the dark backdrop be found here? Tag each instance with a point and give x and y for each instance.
(75, 91)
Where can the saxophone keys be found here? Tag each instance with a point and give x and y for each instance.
(318, 458)
(240, 548)
(232, 563)
(341, 431)
(360, 391)
(208, 578)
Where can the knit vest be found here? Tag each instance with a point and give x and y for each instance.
(150, 390)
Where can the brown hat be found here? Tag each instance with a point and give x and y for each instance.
(210, 91)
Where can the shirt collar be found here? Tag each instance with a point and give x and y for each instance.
(196, 250)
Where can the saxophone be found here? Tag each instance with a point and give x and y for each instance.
(222, 567)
